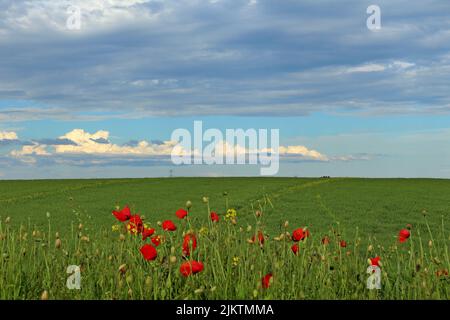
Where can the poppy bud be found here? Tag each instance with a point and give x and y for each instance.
(85, 239)
(173, 259)
(130, 292)
(286, 224)
(44, 295)
(57, 235)
(188, 204)
(7, 220)
(122, 237)
(233, 221)
(80, 226)
(370, 248)
(205, 199)
(199, 291)
(249, 228)
(58, 243)
(258, 213)
(430, 243)
(123, 268)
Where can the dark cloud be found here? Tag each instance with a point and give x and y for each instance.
(226, 58)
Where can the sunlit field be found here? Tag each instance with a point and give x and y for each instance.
(225, 238)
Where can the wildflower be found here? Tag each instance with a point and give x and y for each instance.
(189, 242)
(135, 224)
(300, 234)
(181, 213)
(325, 240)
(168, 225)
(214, 217)
(235, 261)
(343, 244)
(231, 214)
(295, 248)
(148, 232)
(442, 273)
(267, 280)
(375, 261)
(203, 231)
(403, 235)
(148, 252)
(156, 240)
(44, 295)
(115, 228)
(123, 215)
(191, 267)
(260, 238)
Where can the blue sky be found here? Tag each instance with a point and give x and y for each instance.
(76, 103)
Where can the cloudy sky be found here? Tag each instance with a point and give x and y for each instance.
(102, 101)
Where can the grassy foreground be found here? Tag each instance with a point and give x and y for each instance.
(48, 225)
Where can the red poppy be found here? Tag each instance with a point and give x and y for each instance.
(343, 244)
(156, 240)
(295, 248)
(135, 224)
(168, 225)
(191, 267)
(375, 261)
(325, 240)
(442, 273)
(181, 213)
(266, 281)
(403, 235)
(149, 252)
(214, 217)
(189, 242)
(147, 233)
(123, 215)
(300, 234)
(260, 238)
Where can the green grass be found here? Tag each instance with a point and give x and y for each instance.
(361, 211)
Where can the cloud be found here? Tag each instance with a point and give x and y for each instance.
(135, 59)
(8, 135)
(81, 148)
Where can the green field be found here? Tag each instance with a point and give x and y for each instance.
(362, 212)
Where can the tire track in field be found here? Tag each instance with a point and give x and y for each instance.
(44, 194)
(291, 189)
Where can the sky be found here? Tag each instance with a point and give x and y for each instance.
(102, 100)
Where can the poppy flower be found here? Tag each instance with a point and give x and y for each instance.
(156, 240)
(260, 238)
(135, 224)
(189, 242)
(442, 273)
(300, 234)
(191, 267)
(266, 281)
(343, 244)
(403, 235)
(149, 252)
(147, 233)
(123, 215)
(168, 225)
(214, 217)
(325, 240)
(375, 261)
(295, 248)
(181, 213)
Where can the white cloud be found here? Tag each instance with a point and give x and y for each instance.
(373, 67)
(8, 135)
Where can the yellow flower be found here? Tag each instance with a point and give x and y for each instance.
(231, 214)
(115, 228)
(235, 261)
(203, 231)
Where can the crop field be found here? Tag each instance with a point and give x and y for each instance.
(269, 238)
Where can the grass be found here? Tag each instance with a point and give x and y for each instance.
(366, 213)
